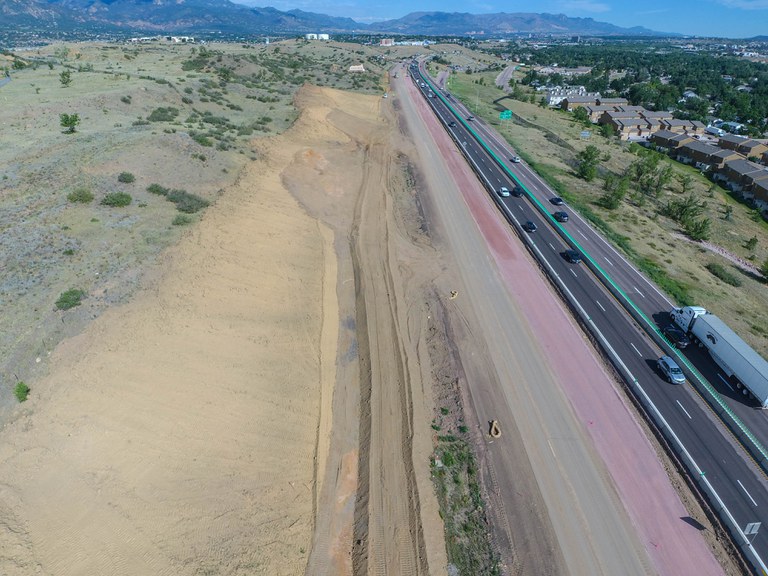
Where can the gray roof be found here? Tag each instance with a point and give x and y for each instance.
(697, 146)
(738, 140)
(743, 166)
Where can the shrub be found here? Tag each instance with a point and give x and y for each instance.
(186, 202)
(117, 199)
(125, 99)
(202, 140)
(70, 299)
(182, 220)
(21, 392)
(126, 177)
(82, 195)
(157, 189)
(163, 114)
(724, 275)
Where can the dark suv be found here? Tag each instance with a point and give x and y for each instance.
(560, 216)
(676, 336)
(573, 256)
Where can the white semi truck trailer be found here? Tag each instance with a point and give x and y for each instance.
(737, 359)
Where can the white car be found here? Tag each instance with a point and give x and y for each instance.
(504, 192)
(515, 159)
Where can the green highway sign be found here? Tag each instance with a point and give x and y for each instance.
(506, 115)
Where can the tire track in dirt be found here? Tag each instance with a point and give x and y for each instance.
(387, 527)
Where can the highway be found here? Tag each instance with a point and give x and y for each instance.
(713, 457)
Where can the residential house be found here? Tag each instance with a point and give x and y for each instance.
(683, 126)
(669, 141)
(572, 102)
(628, 108)
(718, 159)
(759, 195)
(705, 156)
(765, 158)
(630, 128)
(660, 115)
(746, 146)
(739, 175)
(612, 101)
(595, 112)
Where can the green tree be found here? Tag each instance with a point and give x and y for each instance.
(70, 122)
(605, 130)
(65, 78)
(697, 229)
(588, 159)
(615, 191)
(686, 181)
(580, 115)
(751, 243)
(764, 268)
(728, 212)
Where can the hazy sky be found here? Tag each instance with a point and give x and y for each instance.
(726, 18)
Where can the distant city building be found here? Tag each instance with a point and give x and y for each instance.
(357, 68)
(312, 36)
(387, 42)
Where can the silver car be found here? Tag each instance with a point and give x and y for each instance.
(671, 371)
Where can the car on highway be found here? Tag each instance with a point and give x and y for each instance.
(452, 124)
(573, 256)
(676, 336)
(515, 159)
(503, 192)
(529, 227)
(557, 201)
(470, 118)
(560, 216)
(517, 191)
(671, 371)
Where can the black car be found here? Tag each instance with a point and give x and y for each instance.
(676, 336)
(573, 256)
(560, 216)
(529, 226)
(452, 124)
(557, 201)
(517, 191)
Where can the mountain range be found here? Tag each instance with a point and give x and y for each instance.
(210, 16)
